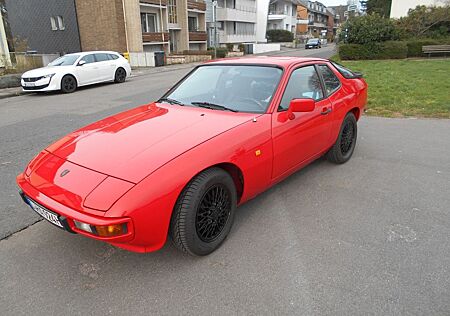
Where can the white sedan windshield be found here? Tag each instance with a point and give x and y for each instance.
(66, 60)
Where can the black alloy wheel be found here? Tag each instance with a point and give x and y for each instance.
(120, 75)
(213, 213)
(68, 84)
(344, 146)
(204, 212)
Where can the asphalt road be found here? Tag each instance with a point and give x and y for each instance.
(367, 237)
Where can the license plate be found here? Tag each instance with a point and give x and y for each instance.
(48, 215)
(29, 84)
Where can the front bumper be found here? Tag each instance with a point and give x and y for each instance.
(67, 215)
(44, 84)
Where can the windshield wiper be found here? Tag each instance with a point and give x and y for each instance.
(170, 101)
(213, 106)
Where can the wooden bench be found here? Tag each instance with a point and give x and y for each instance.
(436, 49)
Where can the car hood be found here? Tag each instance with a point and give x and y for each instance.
(133, 144)
(38, 72)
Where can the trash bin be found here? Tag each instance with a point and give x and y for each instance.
(159, 59)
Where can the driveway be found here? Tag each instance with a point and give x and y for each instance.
(367, 237)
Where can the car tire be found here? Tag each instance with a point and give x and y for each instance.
(204, 212)
(68, 84)
(344, 146)
(120, 75)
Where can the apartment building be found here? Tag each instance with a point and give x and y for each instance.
(63, 26)
(282, 15)
(302, 19)
(317, 19)
(235, 21)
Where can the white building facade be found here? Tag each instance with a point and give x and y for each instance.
(282, 15)
(399, 8)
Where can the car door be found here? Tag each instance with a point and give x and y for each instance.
(297, 140)
(106, 66)
(87, 72)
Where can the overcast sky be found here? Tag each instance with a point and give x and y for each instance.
(333, 2)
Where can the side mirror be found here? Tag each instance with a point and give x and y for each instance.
(297, 105)
(302, 105)
(81, 63)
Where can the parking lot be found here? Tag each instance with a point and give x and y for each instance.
(367, 237)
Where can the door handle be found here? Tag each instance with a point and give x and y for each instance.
(325, 111)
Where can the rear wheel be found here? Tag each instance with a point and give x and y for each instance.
(68, 84)
(344, 146)
(204, 212)
(120, 75)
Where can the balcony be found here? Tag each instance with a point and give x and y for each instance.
(155, 37)
(241, 14)
(198, 36)
(155, 2)
(199, 5)
(236, 38)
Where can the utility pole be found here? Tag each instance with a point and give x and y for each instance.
(214, 4)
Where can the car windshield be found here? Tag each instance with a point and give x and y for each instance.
(239, 88)
(312, 41)
(66, 60)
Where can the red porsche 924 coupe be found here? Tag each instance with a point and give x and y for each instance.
(180, 166)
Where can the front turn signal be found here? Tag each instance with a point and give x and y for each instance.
(111, 230)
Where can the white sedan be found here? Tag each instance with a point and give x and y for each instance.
(75, 70)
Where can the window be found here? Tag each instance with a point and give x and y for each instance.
(192, 24)
(61, 25)
(304, 83)
(89, 58)
(149, 23)
(53, 23)
(113, 56)
(346, 73)
(241, 88)
(65, 60)
(332, 82)
(101, 57)
(172, 11)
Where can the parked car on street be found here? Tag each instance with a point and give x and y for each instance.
(71, 71)
(313, 43)
(180, 166)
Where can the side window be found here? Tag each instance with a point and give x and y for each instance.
(303, 83)
(101, 57)
(89, 58)
(332, 82)
(113, 57)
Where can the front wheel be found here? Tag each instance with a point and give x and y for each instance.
(68, 84)
(120, 75)
(204, 212)
(344, 146)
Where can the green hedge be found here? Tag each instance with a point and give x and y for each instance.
(279, 36)
(220, 51)
(384, 50)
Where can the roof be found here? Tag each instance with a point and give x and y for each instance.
(265, 60)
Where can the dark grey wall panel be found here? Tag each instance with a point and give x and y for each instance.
(30, 19)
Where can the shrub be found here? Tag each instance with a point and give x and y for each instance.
(366, 29)
(221, 52)
(241, 47)
(385, 50)
(279, 36)
(230, 47)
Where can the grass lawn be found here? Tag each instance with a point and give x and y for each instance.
(403, 88)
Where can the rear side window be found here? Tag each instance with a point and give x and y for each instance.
(345, 72)
(113, 57)
(89, 58)
(332, 82)
(101, 57)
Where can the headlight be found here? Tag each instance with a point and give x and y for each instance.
(48, 76)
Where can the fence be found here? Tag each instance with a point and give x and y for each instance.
(23, 61)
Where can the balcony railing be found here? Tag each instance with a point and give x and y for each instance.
(197, 36)
(196, 5)
(155, 37)
(156, 2)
